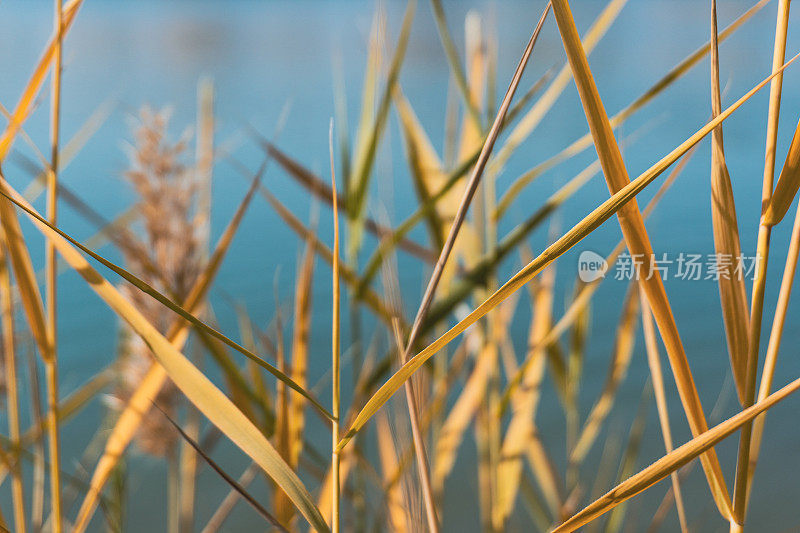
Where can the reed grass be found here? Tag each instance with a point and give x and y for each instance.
(482, 406)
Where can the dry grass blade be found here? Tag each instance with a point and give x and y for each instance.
(671, 462)
(300, 339)
(335, 354)
(51, 361)
(732, 293)
(224, 509)
(591, 222)
(657, 377)
(26, 101)
(657, 88)
(395, 498)
(521, 435)
(196, 386)
(788, 183)
(638, 242)
(776, 333)
(423, 470)
(358, 183)
(454, 62)
(224, 475)
(12, 394)
(451, 434)
(617, 370)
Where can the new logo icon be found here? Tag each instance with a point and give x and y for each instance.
(591, 266)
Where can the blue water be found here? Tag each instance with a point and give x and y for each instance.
(265, 55)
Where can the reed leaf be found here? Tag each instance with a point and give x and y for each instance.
(760, 276)
(224, 475)
(788, 184)
(362, 170)
(735, 312)
(300, 339)
(657, 378)
(521, 436)
(617, 370)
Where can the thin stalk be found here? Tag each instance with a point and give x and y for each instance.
(762, 257)
(50, 359)
(775, 335)
(173, 490)
(657, 377)
(469, 192)
(336, 489)
(12, 396)
(419, 446)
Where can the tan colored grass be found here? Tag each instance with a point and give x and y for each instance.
(762, 258)
(735, 312)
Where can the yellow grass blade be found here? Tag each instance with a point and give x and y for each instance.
(617, 370)
(197, 388)
(760, 276)
(27, 100)
(657, 377)
(426, 168)
(300, 338)
(776, 333)
(671, 462)
(51, 362)
(521, 435)
(638, 242)
(788, 183)
(602, 213)
(395, 497)
(735, 312)
(460, 416)
(10, 378)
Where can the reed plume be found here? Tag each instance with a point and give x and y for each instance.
(167, 190)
